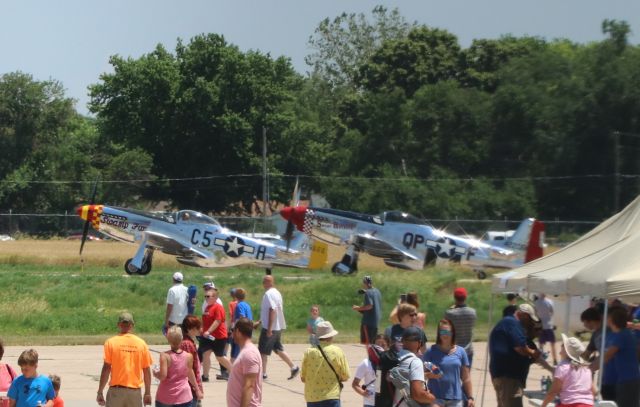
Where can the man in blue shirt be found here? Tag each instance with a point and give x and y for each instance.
(510, 357)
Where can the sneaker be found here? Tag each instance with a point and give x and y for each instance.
(205, 378)
(222, 377)
(294, 372)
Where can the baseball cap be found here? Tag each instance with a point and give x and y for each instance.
(177, 276)
(412, 333)
(460, 292)
(208, 285)
(528, 309)
(125, 317)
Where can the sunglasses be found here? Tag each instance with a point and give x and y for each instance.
(208, 296)
(414, 314)
(444, 332)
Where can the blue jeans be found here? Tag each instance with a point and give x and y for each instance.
(324, 403)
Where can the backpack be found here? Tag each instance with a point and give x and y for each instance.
(399, 376)
(387, 360)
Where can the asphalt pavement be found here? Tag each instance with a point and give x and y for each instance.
(79, 367)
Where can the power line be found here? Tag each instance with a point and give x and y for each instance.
(321, 177)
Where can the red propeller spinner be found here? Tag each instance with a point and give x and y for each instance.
(295, 215)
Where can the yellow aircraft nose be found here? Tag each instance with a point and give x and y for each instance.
(91, 213)
(83, 211)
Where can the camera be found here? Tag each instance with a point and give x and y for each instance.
(361, 291)
(403, 298)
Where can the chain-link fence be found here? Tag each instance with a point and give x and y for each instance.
(67, 224)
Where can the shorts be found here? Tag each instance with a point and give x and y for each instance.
(217, 346)
(123, 397)
(368, 334)
(547, 335)
(188, 404)
(268, 344)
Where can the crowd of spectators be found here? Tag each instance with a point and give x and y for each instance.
(437, 375)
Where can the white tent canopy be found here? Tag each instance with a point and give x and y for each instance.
(603, 263)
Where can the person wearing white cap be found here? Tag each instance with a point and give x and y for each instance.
(572, 379)
(324, 368)
(177, 300)
(510, 357)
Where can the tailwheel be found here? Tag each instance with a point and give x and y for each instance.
(481, 274)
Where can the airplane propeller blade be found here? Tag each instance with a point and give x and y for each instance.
(295, 201)
(288, 234)
(295, 198)
(85, 229)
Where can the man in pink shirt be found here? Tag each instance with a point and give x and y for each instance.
(245, 382)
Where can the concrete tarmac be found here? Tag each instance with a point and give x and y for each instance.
(79, 367)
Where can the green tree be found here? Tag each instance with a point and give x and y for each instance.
(201, 113)
(426, 56)
(484, 58)
(340, 46)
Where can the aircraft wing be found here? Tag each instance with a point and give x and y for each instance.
(171, 246)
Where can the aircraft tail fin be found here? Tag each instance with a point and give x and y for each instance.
(529, 237)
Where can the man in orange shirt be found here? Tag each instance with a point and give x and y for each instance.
(128, 361)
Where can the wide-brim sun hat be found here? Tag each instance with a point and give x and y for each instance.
(574, 348)
(324, 330)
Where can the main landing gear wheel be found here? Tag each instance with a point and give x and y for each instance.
(348, 265)
(131, 269)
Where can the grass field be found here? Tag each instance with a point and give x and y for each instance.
(50, 296)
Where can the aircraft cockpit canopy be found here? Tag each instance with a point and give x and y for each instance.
(402, 217)
(195, 217)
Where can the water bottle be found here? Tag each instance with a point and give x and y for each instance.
(430, 367)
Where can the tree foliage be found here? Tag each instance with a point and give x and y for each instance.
(394, 115)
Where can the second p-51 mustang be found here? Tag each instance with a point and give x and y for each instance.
(407, 242)
(195, 239)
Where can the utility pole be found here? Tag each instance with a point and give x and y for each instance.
(264, 172)
(617, 163)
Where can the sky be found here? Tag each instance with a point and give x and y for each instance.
(71, 40)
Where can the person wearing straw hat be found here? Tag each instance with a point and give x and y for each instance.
(572, 379)
(324, 368)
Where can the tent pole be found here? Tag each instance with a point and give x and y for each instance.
(602, 342)
(567, 315)
(486, 358)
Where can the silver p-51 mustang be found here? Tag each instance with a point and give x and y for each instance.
(195, 239)
(407, 242)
